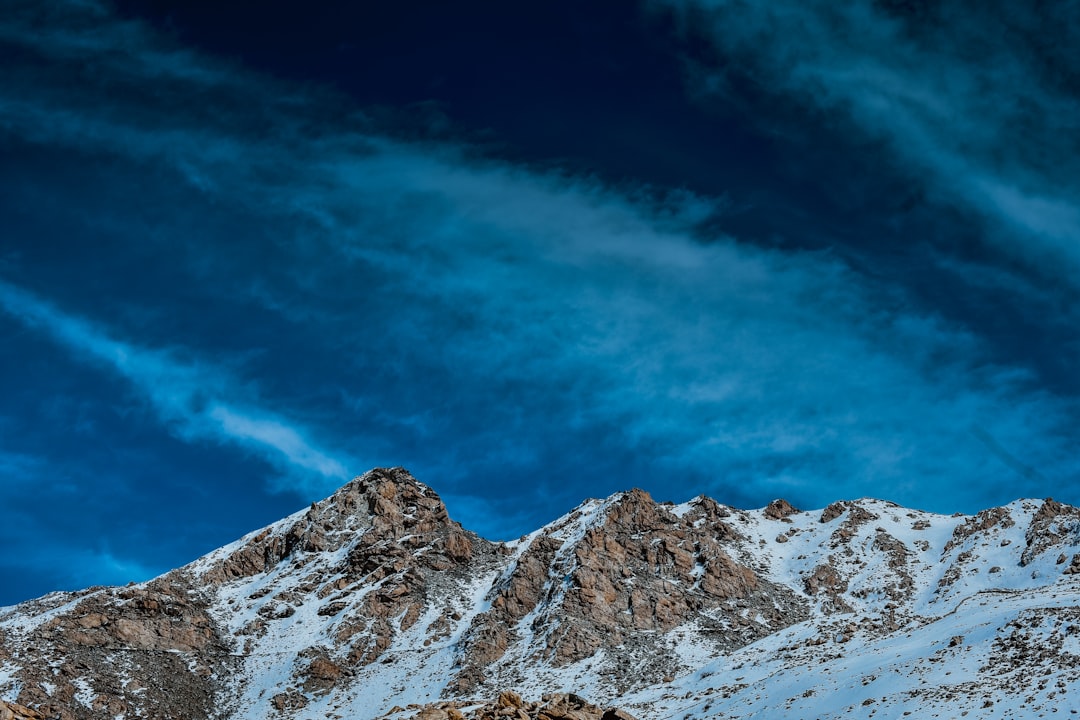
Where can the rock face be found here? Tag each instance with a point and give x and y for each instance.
(509, 705)
(13, 711)
(115, 651)
(618, 577)
(375, 603)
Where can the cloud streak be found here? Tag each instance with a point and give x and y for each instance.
(16, 467)
(527, 336)
(191, 398)
(980, 102)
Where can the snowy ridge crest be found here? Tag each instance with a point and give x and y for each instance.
(374, 600)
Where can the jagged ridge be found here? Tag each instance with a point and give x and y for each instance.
(375, 598)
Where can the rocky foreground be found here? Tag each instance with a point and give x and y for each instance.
(510, 706)
(375, 604)
(14, 711)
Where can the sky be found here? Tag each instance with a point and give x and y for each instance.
(532, 252)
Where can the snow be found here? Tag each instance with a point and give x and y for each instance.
(770, 679)
(407, 672)
(682, 509)
(10, 687)
(84, 693)
(25, 617)
(913, 670)
(972, 626)
(918, 669)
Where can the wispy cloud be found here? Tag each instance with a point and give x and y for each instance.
(193, 399)
(978, 100)
(503, 327)
(17, 467)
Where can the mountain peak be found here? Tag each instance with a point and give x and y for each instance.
(395, 501)
(384, 504)
(374, 599)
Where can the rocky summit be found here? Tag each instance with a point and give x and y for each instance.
(374, 603)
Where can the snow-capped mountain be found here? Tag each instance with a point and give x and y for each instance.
(374, 602)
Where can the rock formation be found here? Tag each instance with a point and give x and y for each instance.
(374, 603)
(13, 711)
(510, 706)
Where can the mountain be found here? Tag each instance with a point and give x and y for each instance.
(375, 603)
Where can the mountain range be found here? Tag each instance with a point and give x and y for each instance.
(374, 603)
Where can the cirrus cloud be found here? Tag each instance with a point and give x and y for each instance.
(522, 336)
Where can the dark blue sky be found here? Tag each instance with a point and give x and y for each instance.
(532, 253)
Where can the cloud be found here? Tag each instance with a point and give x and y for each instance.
(273, 433)
(17, 467)
(509, 332)
(979, 102)
(192, 398)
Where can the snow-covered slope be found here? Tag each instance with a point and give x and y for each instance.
(373, 599)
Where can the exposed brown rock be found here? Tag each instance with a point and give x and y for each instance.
(897, 559)
(135, 648)
(617, 714)
(616, 586)
(289, 701)
(857, 516)
(510, 706)
(637, 568)
(985, 520)
(388, 502)
(833, 511)
(458, 546)
(1047, 528)
(321, 673)
(826, 581)
(508, 699)
(1049, 510)
(779, 508)
(13, 711)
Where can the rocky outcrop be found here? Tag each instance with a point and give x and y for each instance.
(13, 711)
(984, 521)
(826, 582)
(124, 651)
(856, 517)
(634, 572)
(380, 506)
(510, 706)
(157, 647)
(377, 587)
(779, 509)
(1053, 524)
